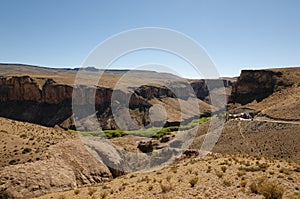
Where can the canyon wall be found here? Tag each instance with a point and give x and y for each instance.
(254, 85)
(43, 101)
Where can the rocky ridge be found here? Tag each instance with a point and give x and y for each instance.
(44, 101)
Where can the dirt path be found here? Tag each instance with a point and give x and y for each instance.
(266, 119)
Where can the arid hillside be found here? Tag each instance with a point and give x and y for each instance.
(255, 157)
(36, 160)
(215, 176)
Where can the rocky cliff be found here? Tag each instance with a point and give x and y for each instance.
(42, 100)
(273, 93)
(255, 85)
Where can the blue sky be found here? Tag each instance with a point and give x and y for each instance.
(237, 34)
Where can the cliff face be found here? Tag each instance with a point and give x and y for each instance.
(254, 85)
(43, 101)
(202, 91)
(40, 101)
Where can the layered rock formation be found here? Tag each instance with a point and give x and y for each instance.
(254, 85)
(42, 100)
(273, 93)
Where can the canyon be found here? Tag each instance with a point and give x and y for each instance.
(38, 124)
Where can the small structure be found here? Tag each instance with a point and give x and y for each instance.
(240, 116)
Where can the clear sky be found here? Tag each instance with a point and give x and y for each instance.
(236, 34)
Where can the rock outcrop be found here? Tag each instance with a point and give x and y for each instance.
(69, 166)
(37, 160)
(254, 85)
(43, 101)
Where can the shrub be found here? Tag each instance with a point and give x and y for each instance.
(103, 195)
(253, 188)
(219, 174)
(226, 183)
(91, 191)
(243, 183)
(150, 187)
(224, 168)
(169, 178)
(285, 171)
(251, 169)
(241, 173)
(105, 187)
(144, 179)
(76, 191)
(26, 150)
(162, 132)
(12, 162)
(297, 169)
(5, 195)
(296, 195)
(193, 181)
(114, 133)
(208, 169)
(166, 187)
(270, 190)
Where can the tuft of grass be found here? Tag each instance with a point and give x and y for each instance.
(76, 191)
(150, 187)
(193, 181)
(223, 168)
(227, 183)
(105, 187)
(241, 173)
(285, 171)
(62, 197)
(103, 195)
(296, 195)
(253, 188)
(269, 190)
(144, 179)
(4, 194)
(219, 174)
(208, 169)
(26, 150)
(169, 179)
(297, 169)
(243, 183)
(91, 191)
(166, 187)
(252, 169)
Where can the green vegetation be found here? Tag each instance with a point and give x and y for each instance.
(154, 132)
(106, 133)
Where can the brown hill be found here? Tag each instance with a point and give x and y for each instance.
(36, 160)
